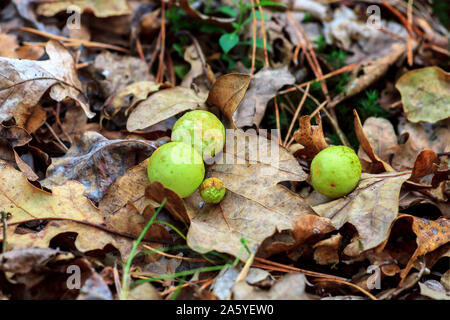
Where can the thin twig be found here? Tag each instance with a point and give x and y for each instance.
(410, 23)
(56, 136)
(277, 115)
(5, 231)
(160, 73)
(348, 284)
(252, 70)
(263, 32)
(297, 112)
(74, 42)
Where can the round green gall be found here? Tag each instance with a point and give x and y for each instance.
(178, 167)
(212, 190)
(335, 171)
(201, 129)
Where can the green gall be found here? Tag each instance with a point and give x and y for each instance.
(335, 171)
(178, 167)
(212, 190)
(201, 129)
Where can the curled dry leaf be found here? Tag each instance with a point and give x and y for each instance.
(380, 135)
(424, 165)
(378, 164)
(100, 8)
(194, 56)
(425, 94)
(371, 208)
(255, 206)
(138, 91)
(174, 204)
(162, 105)
(24, 82)
(263, 87)
(67, 210)
(430, 236)
(310, 137)
(128, 189)
(227, 93)
(420, 136)
(97, 162)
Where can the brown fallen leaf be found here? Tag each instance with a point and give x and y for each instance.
(263, 87)
(100, 8)
(97, 162)
(430, 236)
(378, 164)
(128, 189)
(227, 93)
(425, 94)
(371, 208)
(163, 105)
(42, 273)
(255, 206)
(380, 135)
(175, 205)
(310, 137)
(137, 91)
(424, 165)
(67, 210)
(9, 48)
(420, 137)
(24, 82)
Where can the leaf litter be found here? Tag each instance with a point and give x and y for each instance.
(82, 110)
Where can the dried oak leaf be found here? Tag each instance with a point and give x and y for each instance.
(163, 105)
(371, 208)
(67, 210)
(430, 236)
(425, 94)
(24, 82)
(227, 93)
(128, 189)
(100, 8)
(378, 164)
(97, 162)
(11, 137)
(175, 205)
(255, 206)
(263, 87)
(310, 137)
